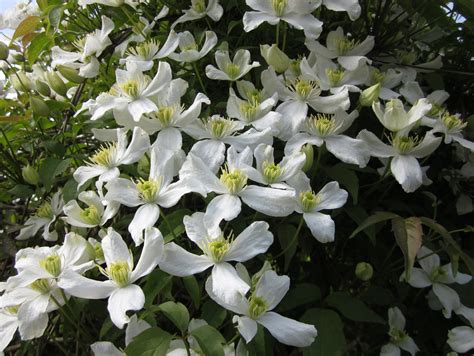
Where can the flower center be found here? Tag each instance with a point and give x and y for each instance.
(119, 272)
(378, 76)
(218, 249)
(345, 45)
(257, 306)
(45, 211)
(321, 124)
(91, 215)
(255, 96)
(279, 6)
(198, 5)
(271, 171)
(52, 264)
(453, 122)
(305, 88)
(335, 76)
(146, 50)
(219, 127)
(41, 285)
(405, 144)
(147, 189)
(396, 335)
(249, 110)
(232, 70)
(98, 252)
(234, 180)
(80, 43)
(104, 155)
(309, 200)
(438, 274)
(130, 88)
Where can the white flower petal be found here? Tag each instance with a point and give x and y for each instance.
(407, 172)
(179, 262)
(226, 283)
(151, 254)
(223, 207)
(123, 299)
(269, 201)
(254, 240)
(246, 327)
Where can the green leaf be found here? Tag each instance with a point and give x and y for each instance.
(151, 342)
(28, 25)
(37, 45)
(300, 295)
(177, 313)
(172, 225)
(358, 214)
(353, 308)
(330, 340)
(55, 14)
(213, 313)
(155, 283)
(374, 219)
(70, 190)
(347, 177)
(433, 225)
(21, 191)
(409, 235)
(192, 286)
(285, 236)
(50, 168)
(210, 340)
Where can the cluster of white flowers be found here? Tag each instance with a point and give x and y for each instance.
(304, 101)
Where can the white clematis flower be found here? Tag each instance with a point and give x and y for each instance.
(310, 204)
(189, 49)
(231, 70)
(132, 92)
(387, 81)
(399, 339)
(94, 215)
(297, 13)
(112, 3)
(451, 127)
(412, 92)
(297, 95)
(199, 9)
(90, 48)
(352, 7)
(143, 54)
(405, 150)
(105, 161)
(9, 323)
(461, 339)
(349, 53)
(268, 293)
(326, 129)
(218, 251)
(150, 194)
(44, 216)
(120, 288)
(394, 117)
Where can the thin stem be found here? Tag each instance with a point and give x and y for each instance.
(277, 33)
(199, 77)
(284, 37)
(168, 224)
(293, 240)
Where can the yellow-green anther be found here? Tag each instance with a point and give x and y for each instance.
(255, 96)
(438, 274)
(345, 45)
(234, 180)
(453, 122)
(321, 124)
(147, 189)
(41, 285)
(80, 43)
(218, 127)
(104, 155)
(13, 310)
(91, 215)
(165, 115)
(295, 66)
(51, 264)
(119, 272)
(146, 49)
(218, 249)
(435, 110)
(248, 110)
(335, 76)
(271, 171)
(232, 70)
(405, 144)
(131, 88)
(304, 87)
(397, 335)
(98, 252)
(378, 76)
(189, 47)
(257, 306)
(45, 211)
(309, 200)
(198, 5)
(279, 6)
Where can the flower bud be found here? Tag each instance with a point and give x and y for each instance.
(370, 95)
(143, 167)
(364, 271)
(39, 107)
(3, 51)
(20, 81)
(56, 83)
(43, 88)
(275, 57)
(309, 153)
(30, 175)
(70, 74)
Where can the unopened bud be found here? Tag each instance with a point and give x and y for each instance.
(20, 81)
(275, 57)
(370, 95)
(364, 271)
(309, 153)
(3, 51)
(30, 175)
(70, 74)
(39, 107)
(43, 88)
(56, 83)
